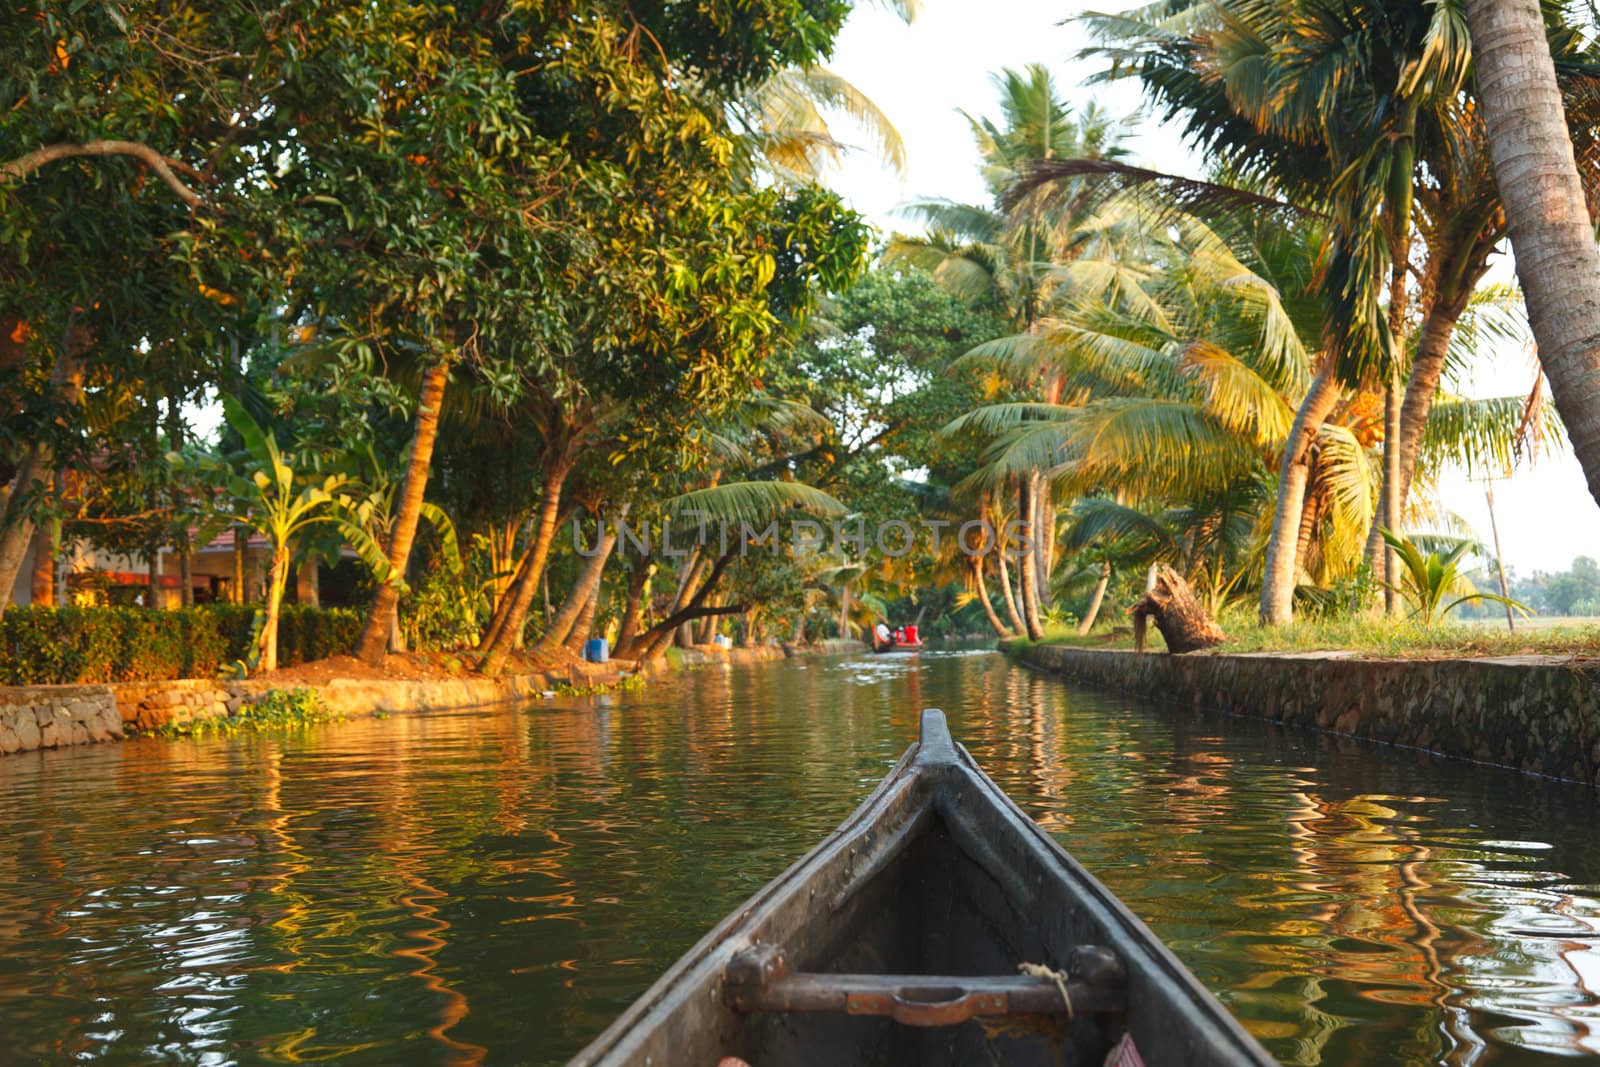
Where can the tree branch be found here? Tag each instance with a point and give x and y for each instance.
(164, 167)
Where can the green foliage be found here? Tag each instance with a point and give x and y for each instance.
(278, 710)
(66, 646)
(1427, 579)
(446, 608)
(1575, 591)
(1343, 599)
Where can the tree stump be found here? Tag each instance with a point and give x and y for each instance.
(1178, 614)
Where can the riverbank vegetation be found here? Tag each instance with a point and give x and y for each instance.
(1381, 638)
(475, 286)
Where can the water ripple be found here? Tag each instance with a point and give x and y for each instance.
(493, 887)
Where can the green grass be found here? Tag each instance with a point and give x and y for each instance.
(1383, 638)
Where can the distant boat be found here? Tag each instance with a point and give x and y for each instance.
(938, 925)
(905, 639)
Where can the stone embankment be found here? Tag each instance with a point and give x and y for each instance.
(55, 716)
(1539, 714)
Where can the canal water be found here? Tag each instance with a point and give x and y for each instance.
(492, 887)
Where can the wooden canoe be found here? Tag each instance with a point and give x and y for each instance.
(898, 940)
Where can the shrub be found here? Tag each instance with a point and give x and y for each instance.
(64, 646)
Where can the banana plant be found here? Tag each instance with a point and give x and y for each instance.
(273, 499)
(1426, 579)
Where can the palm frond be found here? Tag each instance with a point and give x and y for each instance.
(750, 502)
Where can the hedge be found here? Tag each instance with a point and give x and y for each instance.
(63, 646)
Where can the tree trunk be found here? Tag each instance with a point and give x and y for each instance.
(1096, 600)
(844, 611)
(706, 628)
(638, 577)
(180, 542)
(308, 583)
(687, 581)
(1427, 367)
(582, 628)
(1043, 535)
(1558, 261)
(1282, 568)
(42, 584)
(981, 589)
(497, 646)
(584, 590)
(1030, 571)
(1391, 494)
(654, 640)
(241, 543)
(374, 639)
(1009, 598)
(16, 528)
(1183, 621)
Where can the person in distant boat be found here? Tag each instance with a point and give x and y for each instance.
(881, 637)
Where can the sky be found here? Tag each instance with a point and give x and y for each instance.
(923, 76)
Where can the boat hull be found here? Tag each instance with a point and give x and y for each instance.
(937, 873)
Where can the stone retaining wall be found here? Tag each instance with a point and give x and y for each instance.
(48, 716)
(1539, 714)
(54, 716)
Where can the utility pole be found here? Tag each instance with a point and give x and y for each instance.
(1499, 560)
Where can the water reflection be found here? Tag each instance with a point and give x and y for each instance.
(492, 888)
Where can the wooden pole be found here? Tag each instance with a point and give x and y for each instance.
(1499, 560)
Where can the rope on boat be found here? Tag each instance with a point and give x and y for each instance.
(1052, 1028)
(1039, 970)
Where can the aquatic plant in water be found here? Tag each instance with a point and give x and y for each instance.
(280, 709)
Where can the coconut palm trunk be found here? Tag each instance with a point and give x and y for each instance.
(1558, 261)
(1043, 534)
(1095, 600)
(1028, 564)
(496, 645)
(654, 641)
(980, 587)
(584, 590)
(693, 570)
(1391, 497)
(1427, 367)
(1282, 564)
(584, 626)
(374, 639)
(1007, 595)
(633, 609)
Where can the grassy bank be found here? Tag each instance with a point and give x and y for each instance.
(1383, 638)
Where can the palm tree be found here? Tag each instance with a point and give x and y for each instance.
(1552, 231)
(991, 255)
(1184, 367)
(1359, 91)
(786, 120)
